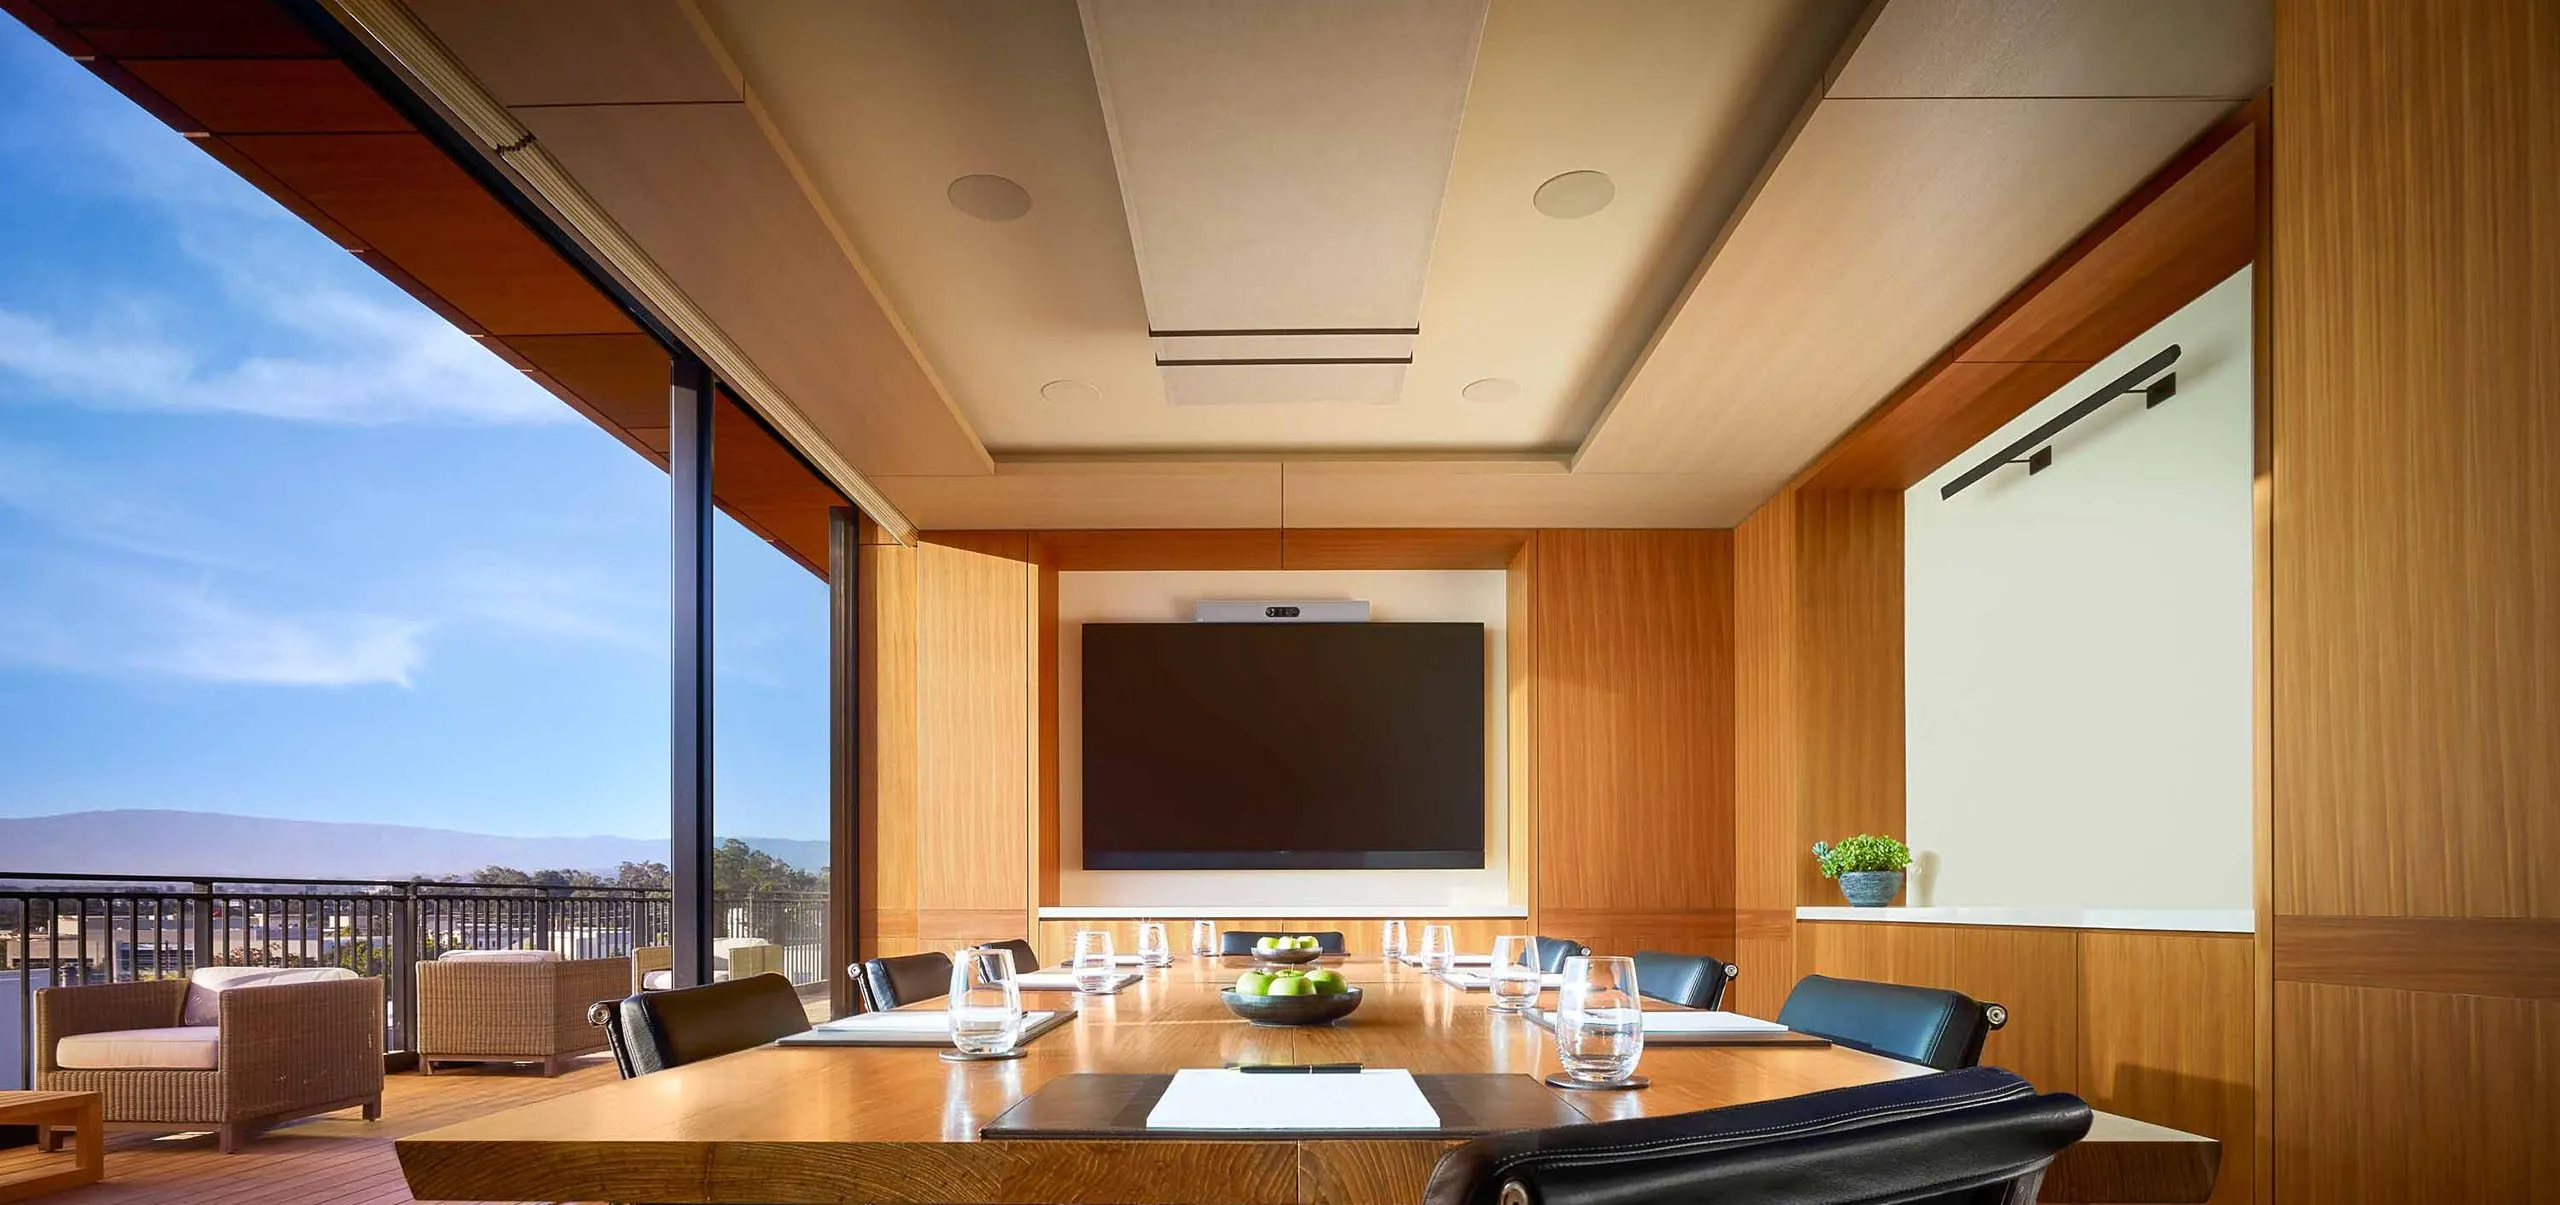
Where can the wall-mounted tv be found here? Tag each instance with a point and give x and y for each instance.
(1285, 746)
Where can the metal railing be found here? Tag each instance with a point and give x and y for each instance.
(63, 930)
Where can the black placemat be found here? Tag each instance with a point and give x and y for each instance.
(1087, 1105)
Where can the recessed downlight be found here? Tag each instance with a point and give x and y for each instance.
(1070, 393)
(988, 198)
(1575, 195)
(1491, 391)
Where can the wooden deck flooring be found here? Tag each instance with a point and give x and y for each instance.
(339, 1159)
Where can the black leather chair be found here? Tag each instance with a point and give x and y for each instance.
(1024, 957)
(889, 982)
(1688, 980)
(1552, 951)
(653, 1031)
(1240, 941)
(1977, 1137)
(1925, 1025)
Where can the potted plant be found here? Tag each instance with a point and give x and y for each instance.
(1869, 868)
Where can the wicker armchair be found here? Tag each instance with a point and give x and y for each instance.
(285, 1051)
(512, 1012)
(731, 958)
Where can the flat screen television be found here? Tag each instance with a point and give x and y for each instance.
(1315, 746)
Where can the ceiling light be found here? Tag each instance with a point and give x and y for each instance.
(1575, 195)
(1070, 393)
(988, 198)
(1491, 391)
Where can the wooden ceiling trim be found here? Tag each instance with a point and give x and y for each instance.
(294, 203)
(144, 96)
(132, 29)
(1205, 548)
(271, 96)
(45, 25)
(2189, 227)
(1401, 547)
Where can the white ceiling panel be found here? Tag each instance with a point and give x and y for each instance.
(2083, 48)
(1281, 384)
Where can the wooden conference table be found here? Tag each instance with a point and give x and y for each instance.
(795, 1124)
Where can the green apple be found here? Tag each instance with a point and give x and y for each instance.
(1290, 985)
(1253, 983)
(1266, 943)
(1309, 943)
(1326, 983)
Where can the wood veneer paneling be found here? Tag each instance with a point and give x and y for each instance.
(973, 597)
(885, 685)
(1520, 711)
(2034, 972)
(2168, 1035)
(270, 96)
(1399, 547)
(1848, 685)
(1766, 749)
(1161, 549)
(2472, 956)
(1056, 939)
(1634, 724)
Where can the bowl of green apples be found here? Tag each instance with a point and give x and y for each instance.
(1291, 951)
(1291, 996)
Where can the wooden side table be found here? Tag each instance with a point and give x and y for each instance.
(80, 1111)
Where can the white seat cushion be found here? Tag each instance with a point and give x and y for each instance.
(182, 1048)
(499, 956)
(205, 987)
(657, 981)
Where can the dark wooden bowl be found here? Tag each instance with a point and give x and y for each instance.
(1292, 1010)
(1287, 957)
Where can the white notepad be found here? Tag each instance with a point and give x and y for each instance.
(1707, 1022)
(1484, 979)
(904, 1023)
(1063, 981)
(1199, 1099)
(1455, 960)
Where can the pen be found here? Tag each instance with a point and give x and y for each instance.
(1300, 1068)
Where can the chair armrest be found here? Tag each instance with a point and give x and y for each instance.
(291, 1045)
(104, 1008)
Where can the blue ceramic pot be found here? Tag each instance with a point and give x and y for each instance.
(1870, 888)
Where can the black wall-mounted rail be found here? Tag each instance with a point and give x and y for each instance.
(2029, 449)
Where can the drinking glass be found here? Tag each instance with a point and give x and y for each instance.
(1599, 1020)
(1439, 947)
(1391, 940)
(986, 1002)
(1512, 978)
(1153, 949)
(1095, 971)
(1204, 938)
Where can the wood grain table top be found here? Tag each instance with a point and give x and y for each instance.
(784, 1124)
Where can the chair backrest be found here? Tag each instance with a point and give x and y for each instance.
(1552, 951)
(1688, 980)
(652, 1031)
(1926, 1025)
(1240, 941)
(1963, 1138)
(1024, 957)
(889, 982)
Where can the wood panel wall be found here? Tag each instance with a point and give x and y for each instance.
(2416, 601)
(2150, 1025)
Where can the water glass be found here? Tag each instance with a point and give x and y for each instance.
(986, 1001)
(1204, 938)
(1439, 947)
(1154, 949)
(1095, 971)
(1599, 1019)
(1512, 978)
(1391, 940)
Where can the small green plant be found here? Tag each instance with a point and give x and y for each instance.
(1861, 852)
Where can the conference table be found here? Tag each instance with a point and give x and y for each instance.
(899, 1124)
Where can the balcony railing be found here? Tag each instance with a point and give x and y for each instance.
(61, 930)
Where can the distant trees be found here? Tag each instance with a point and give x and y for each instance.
(736, 867)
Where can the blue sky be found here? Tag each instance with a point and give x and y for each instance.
(275, 540)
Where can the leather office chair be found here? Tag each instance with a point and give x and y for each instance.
(1925, 1025)
(1240, 941)
(1688, 980)
(1976, 1137)
(653, 1031)
(1552, 951)
(889, 982)
(1024, 957)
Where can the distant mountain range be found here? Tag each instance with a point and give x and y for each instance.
(172, 843)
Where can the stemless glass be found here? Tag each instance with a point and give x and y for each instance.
(1096, 974)
(986, 1002)
(1512, 979)
(1391, 940)
(1153, 949)
(1599, 1019)
(1439, 947)
(1204, 938)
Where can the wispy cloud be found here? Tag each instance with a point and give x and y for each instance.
(123, 622)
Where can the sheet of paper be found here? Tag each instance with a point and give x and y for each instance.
(897, 1023)
(1461, 960)
(1484, 979)
(1707, 1022)
(1233, 1100)
(1061, 981)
